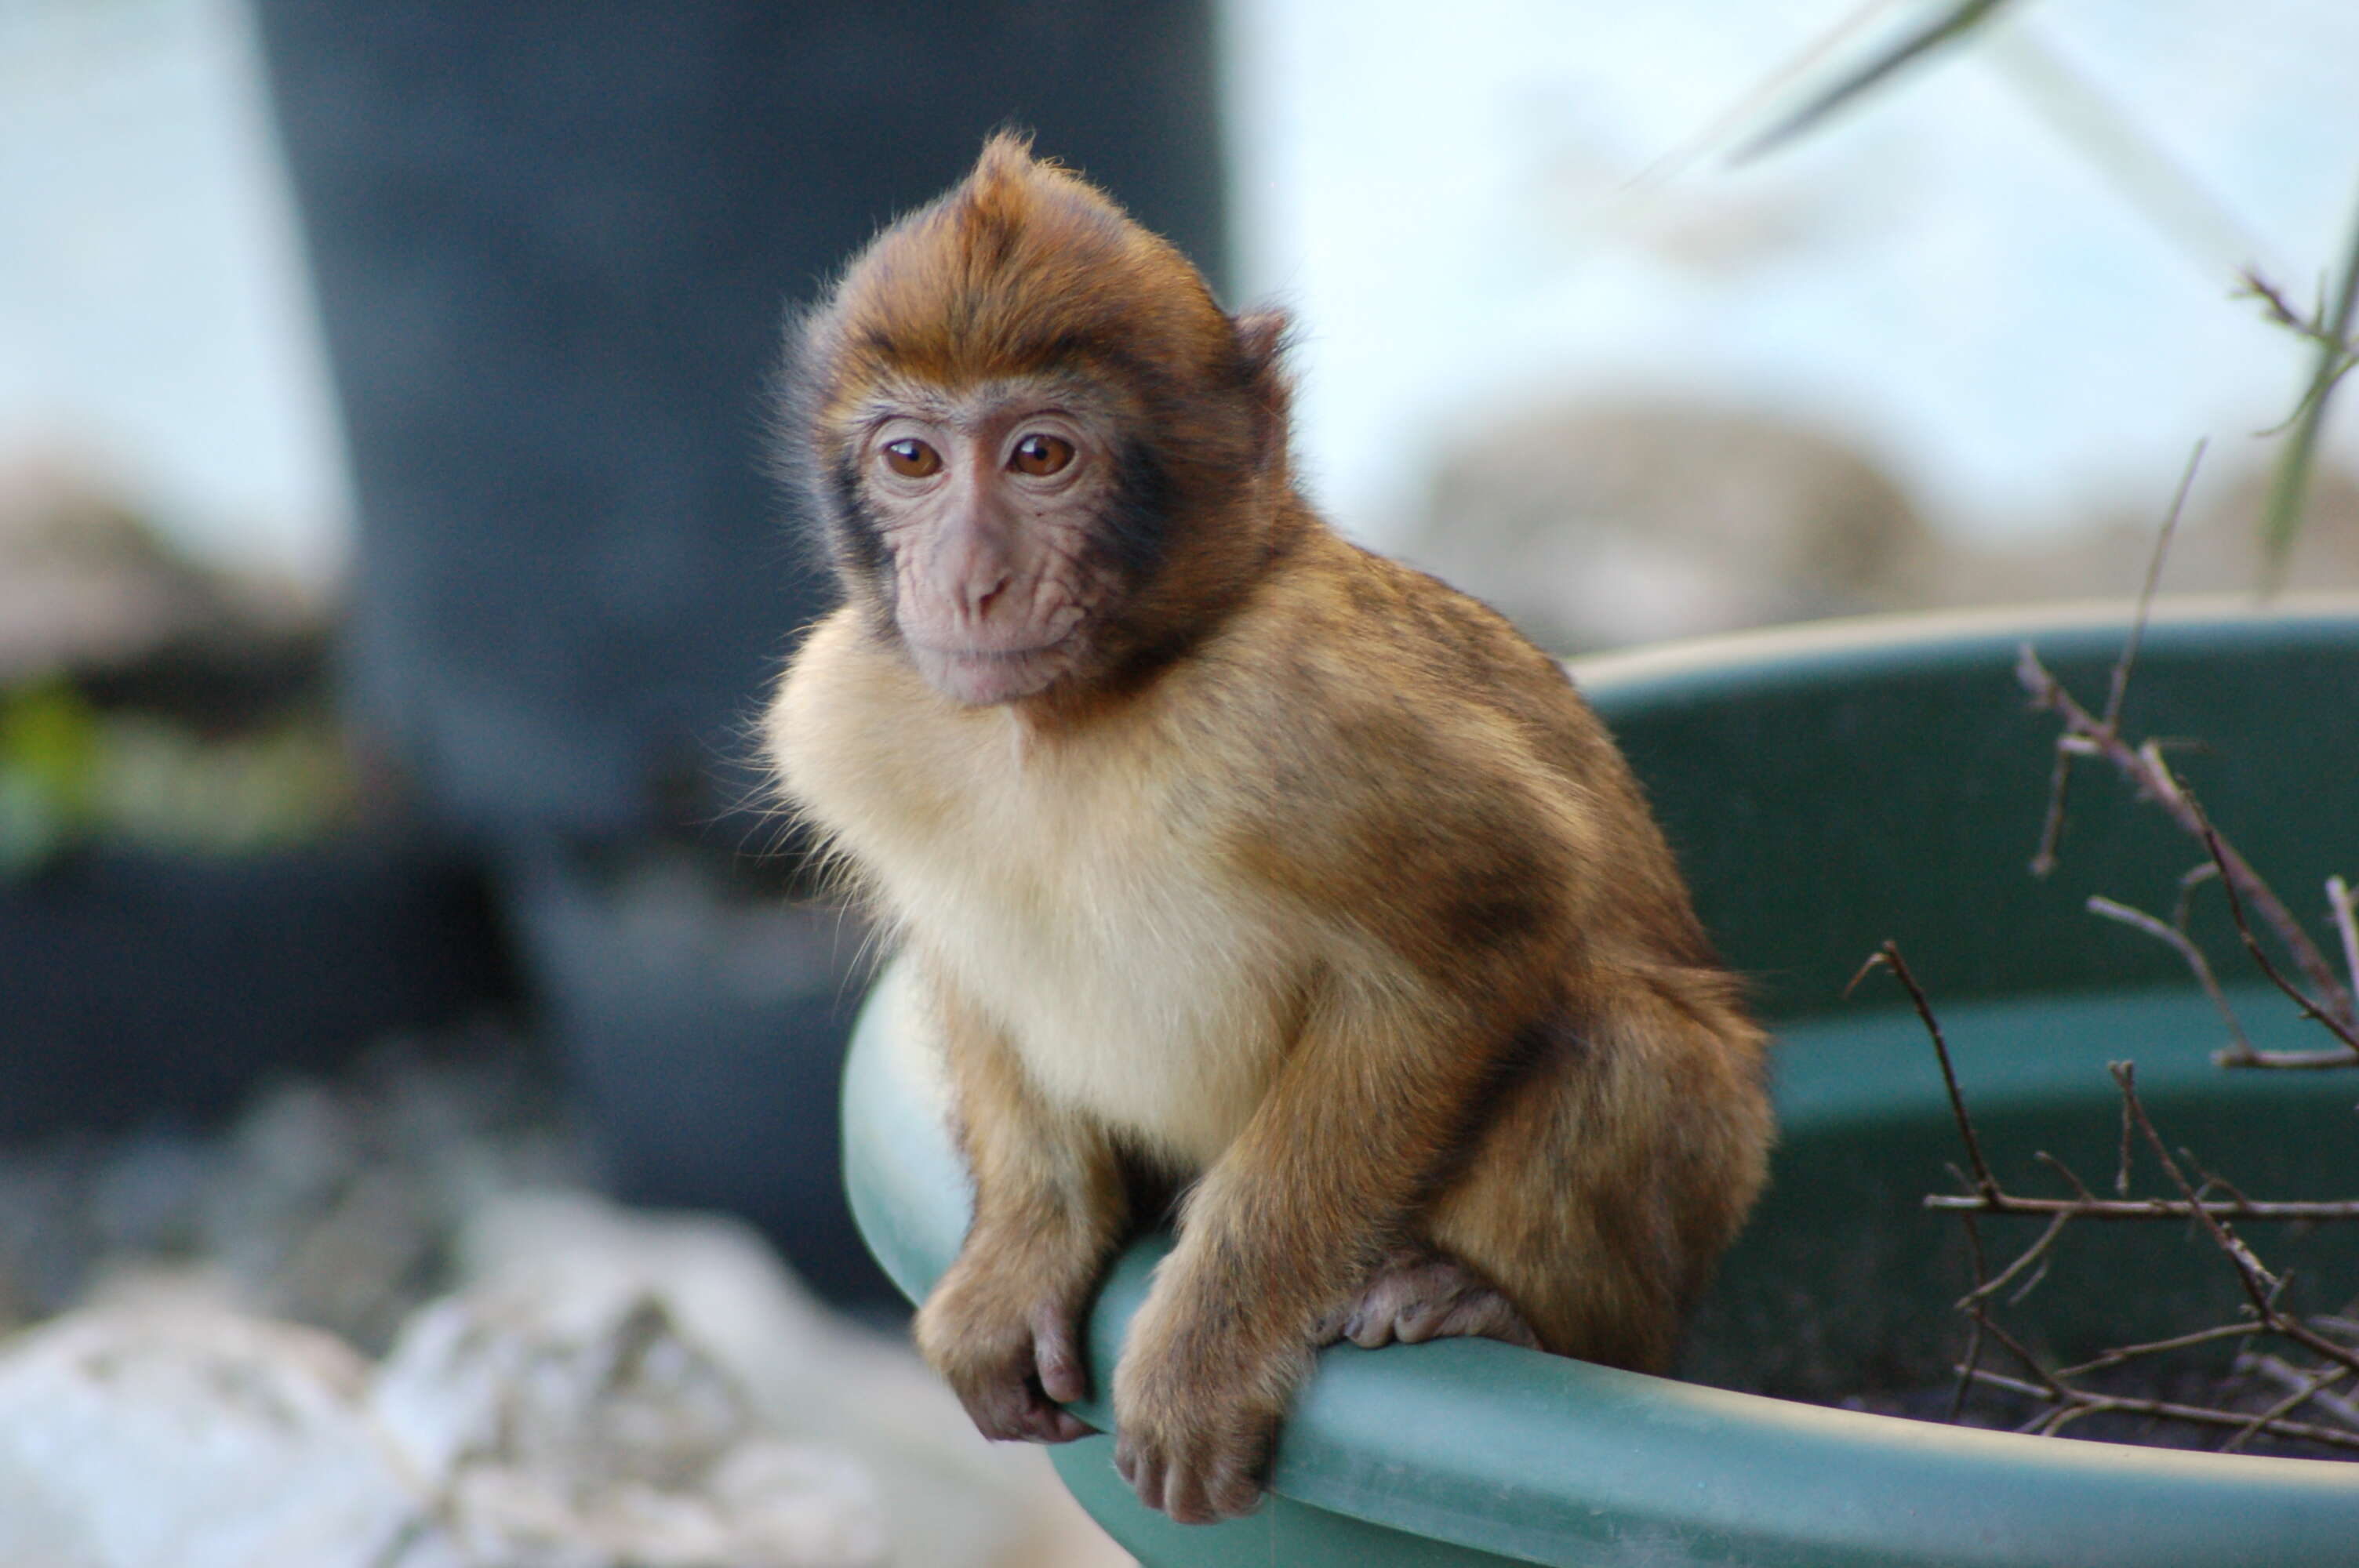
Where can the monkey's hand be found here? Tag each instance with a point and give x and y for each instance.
(1009, 1348)
(1421, 1293)
(1196, 1412)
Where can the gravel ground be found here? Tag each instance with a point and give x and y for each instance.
(329, 1202)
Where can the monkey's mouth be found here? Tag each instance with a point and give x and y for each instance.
(982, 676)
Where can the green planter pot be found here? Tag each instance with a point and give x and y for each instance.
(1828, 787)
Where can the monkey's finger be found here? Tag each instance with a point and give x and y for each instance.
(1184, 1500)
(1209, 1489)
(1371, 1327)
(1477, 1315)
(1422, 1319)
(1011, 1410)
(998, 1411)
(1064, 1375)
(1144, 1473)
(1049, 1424)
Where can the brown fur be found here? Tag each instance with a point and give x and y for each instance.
(1312, 886)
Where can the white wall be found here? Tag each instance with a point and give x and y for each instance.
(155, 320)
(1442, 190)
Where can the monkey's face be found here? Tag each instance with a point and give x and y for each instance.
(980, 516)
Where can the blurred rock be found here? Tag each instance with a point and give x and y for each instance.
(86, 584)
(1594, 524)
(583, 1430)
(948, 1500)
(81, 581)
(611, 1390)
(330, 1202)
(170, 1434)
(2216, 549)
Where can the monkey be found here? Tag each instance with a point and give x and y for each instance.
(1238, 863)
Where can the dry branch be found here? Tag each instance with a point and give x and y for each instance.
(2143, 766)
(2064, 1399)
(2080, 1402)
(2333, 1012)
(1888, 956)
(2141, 1209)
(2176, 940)
(2260, 1285)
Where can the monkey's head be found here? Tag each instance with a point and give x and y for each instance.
(1041, 455)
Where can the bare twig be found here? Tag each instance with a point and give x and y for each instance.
(2281, 510)
(2080, 1402)
(2310, 324)
(1888, 956)
(2343, 910)
(2128, 1353)
(2334, 1011)
(2241, 1050)
(2119, 688)
(2051, 823)
(2142, 1208)
(2260, 1285)
(2216, 1201)
(2059, 779)
(2034, 1253)
(2306, 1386)
(2212, 1206)
(2193, 878)
(2143, 767)
(2030, 1363)
(2317, 1380)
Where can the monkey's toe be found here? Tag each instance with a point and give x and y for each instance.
(1008, 1402)
(1204, 1488)
(1414, 1296)
(1063, 1374)
(1018, 1411)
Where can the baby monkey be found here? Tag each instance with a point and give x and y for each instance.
(1238, 862)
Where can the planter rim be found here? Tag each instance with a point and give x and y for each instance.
(1939, 634)
(1542, 1459)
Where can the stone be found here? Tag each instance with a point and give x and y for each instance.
(610, 1390)
(808, 1376)
(166, 1431)
(581, 1429)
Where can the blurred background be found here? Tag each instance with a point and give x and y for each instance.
(389, 572)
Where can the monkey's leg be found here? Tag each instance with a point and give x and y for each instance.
(1601, 1195)
(1003, 1323)
(1278, 1231)
(1420, 1293)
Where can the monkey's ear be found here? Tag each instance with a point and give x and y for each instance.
(1263, 337)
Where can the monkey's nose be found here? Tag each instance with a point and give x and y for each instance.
(982, 593)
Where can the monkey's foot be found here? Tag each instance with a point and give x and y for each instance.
(1414, 1296)
(1011, 1370)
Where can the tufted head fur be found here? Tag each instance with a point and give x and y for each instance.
(1026, 274)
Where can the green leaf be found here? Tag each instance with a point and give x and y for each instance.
(2288, 497)
(49, 771)
(1944, 28)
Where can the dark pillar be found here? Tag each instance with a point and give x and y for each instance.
(552, 243)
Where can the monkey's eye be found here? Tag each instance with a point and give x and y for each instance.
(1041, 455)
(912, 458)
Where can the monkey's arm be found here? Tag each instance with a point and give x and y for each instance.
(1434, 868)
(1051, 1201)
(1279, 1232)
